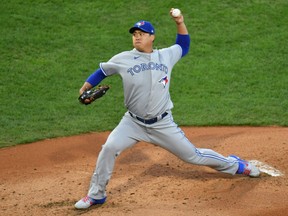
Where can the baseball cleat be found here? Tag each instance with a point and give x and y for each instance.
(246, 168)
(87, 201)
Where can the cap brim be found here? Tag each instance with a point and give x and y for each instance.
(131, 30)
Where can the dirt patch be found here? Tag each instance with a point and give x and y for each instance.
(48, 177)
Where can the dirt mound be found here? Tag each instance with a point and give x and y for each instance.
(48, 177)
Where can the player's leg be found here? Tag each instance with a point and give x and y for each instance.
(122, 137)
(180, 146)
(169, 136)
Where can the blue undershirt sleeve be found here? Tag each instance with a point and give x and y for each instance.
(184, 42)
(95, 78)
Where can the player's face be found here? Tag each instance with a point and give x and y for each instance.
(143, 41)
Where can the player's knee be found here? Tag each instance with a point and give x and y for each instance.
(109, 149)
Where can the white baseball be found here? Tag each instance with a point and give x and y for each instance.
(176, 12)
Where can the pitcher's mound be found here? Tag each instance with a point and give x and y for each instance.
(48, 177)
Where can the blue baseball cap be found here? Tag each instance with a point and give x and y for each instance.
(144, 26)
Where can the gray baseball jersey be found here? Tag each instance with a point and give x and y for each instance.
(146, 79)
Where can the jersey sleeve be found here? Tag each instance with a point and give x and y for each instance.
(174, 53)
(113, 66)
(108, 68)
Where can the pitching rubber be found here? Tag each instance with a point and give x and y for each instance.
(265, 168)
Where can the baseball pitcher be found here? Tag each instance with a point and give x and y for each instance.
(146, 75)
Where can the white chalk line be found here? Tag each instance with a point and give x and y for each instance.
(265, 168)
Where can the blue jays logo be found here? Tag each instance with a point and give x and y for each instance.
(140, 23)
(164, 81)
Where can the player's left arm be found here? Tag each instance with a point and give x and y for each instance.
(184, 42)
(183, 38)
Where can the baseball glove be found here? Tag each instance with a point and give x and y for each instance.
(88, 96)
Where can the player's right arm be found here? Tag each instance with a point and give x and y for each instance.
(93, 80)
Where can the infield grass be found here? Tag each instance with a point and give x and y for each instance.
(235, 74)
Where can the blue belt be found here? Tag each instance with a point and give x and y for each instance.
(149, 121)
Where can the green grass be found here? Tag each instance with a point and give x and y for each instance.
(235, 74)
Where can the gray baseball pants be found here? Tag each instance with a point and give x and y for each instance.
(164, 133)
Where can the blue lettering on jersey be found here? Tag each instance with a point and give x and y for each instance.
(144, 67)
